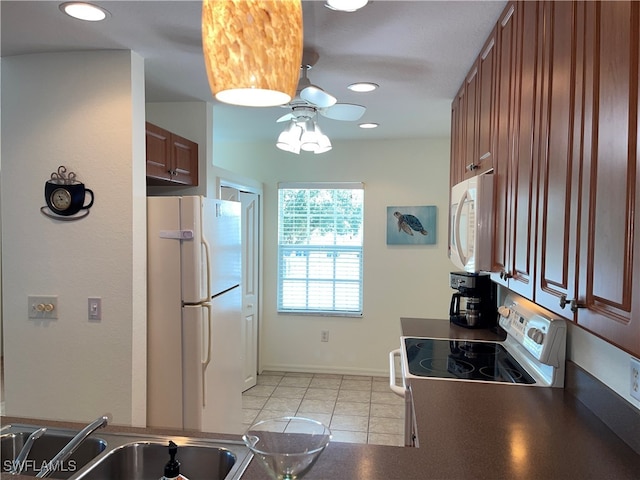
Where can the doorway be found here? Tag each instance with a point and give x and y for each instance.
(250, 222)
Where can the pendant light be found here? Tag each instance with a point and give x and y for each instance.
(252, 50)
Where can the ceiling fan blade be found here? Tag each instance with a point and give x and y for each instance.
(286, 117)
(317, 96)
(347, 112)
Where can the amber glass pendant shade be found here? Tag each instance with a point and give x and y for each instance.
(252, 50)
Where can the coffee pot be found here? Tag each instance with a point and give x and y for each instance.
(473, 305)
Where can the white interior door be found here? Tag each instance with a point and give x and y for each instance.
(250, 288)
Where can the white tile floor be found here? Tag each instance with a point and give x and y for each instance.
(357, 409)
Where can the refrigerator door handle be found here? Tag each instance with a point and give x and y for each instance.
(207, 268)
(206, 349)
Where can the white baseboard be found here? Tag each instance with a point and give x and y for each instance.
(324, 369)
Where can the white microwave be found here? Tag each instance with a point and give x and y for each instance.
(471, 224)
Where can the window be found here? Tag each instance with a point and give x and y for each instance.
(320, 248)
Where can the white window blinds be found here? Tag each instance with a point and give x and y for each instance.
(320, 248)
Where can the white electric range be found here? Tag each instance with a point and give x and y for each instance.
(533, 354)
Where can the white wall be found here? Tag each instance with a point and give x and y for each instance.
(604, 361)
(400, 281)
(84, 110)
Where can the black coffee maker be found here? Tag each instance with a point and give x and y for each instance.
(474, 303)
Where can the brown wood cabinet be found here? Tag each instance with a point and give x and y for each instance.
(505, 86)
(485, 108)
(171, 159)
(588, 269)
(556, 255)
(566, 161)
(456, 173)
(472, 119)
(609, 280)
(517, 167)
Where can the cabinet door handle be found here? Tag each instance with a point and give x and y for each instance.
(574, 304)
(563, 301)
(471, 167)
(504, 275)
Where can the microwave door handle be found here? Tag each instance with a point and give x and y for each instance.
(392, 373)
(463, 259)
(206, 350)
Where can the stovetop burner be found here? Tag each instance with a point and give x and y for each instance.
(461, 359)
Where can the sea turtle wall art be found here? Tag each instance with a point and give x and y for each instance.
(411, 225)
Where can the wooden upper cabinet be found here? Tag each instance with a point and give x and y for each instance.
(171, 159)
(472, 119)
(559, 158)
(457, 160)
(522, 167)
(158, 151)
(609, 282)
(485, 109)
(565, 151)
(504, 101)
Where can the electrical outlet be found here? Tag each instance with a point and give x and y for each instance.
(324, 336)
(43, 307)
(635, 379)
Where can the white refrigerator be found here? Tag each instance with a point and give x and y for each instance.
(194, 364)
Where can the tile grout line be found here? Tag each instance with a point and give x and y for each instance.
(367, 434)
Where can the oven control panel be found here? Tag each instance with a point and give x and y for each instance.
(541, 335)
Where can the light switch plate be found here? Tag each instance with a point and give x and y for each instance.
(94, 308)
(43, 307)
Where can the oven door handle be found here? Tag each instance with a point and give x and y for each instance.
(392, 373)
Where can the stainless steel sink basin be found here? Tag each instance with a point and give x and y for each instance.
(45, 448)
(111, 456)
(146, 460)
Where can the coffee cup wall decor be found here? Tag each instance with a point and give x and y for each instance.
(67, 198)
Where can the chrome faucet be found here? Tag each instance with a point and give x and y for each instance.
(18, 463)
(71, 447)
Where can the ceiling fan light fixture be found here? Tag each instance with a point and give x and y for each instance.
(324, 144)
(252, 50)
(310, 135)
(289, 138)
(363, 87)
(346, 5)
(303, 135)
(84, 11)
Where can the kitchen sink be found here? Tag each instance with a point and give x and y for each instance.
(45, 448)
(109, 455)
(146, 460)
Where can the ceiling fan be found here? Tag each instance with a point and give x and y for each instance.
(311, 99)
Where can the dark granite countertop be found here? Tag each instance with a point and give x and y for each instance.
(422, 327)
(474, 431)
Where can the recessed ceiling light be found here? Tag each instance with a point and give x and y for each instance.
(368, 125)
(346, 5)
(363, 87)
(84, 11)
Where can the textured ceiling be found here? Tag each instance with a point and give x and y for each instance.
(417, 51)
